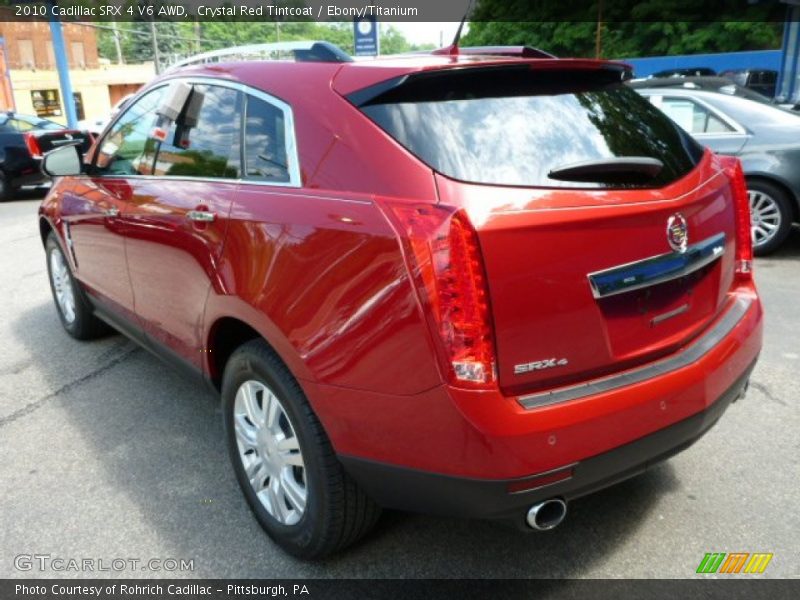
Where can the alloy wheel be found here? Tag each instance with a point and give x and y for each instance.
(765, 217)
(270, 452)
(62, 285)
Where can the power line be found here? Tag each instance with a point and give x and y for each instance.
(147, 33)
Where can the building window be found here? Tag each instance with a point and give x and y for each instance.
(79, 114)
(27, 59)
(78, 54)
(46, 103)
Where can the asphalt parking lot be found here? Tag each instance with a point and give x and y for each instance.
(107, 453)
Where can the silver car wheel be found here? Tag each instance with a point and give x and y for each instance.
(62, 285)
(765, 217)
(270, 452)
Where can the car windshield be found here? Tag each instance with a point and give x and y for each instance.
(513, 126)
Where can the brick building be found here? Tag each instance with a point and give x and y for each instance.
(31, 83)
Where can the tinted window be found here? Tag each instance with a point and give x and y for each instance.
(265, 142)
(19, 125)
(753, 116)
(25, 123)
(122, 149)
(49, 125)
(693, 117)
(205, 144)
(512, 126)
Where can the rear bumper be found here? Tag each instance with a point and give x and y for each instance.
(419, 491)
(460, 449)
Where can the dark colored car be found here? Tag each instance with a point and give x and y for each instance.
(764, 137)
(763, 81)
(474, 286)
(685, 72)
(23, 141)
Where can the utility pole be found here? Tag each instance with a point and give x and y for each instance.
(156, 56)
(197, 32)
(60, 51)
(120, 59)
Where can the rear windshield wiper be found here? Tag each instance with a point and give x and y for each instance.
(623, 169)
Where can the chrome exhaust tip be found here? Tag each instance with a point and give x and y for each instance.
(547, 515)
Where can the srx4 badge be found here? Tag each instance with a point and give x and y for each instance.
(539, 365)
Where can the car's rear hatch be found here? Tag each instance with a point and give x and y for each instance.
(592, 269)
(543, 250)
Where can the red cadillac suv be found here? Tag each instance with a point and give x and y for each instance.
(462, 284)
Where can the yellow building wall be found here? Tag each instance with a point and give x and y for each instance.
(92, 84)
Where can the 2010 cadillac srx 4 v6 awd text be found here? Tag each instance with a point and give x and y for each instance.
(471, 284)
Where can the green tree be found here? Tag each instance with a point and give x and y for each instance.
(630, 28)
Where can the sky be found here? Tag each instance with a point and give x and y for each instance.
(426, 32)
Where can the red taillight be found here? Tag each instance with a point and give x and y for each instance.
(33, 145)
(744, 236)
(445, 259)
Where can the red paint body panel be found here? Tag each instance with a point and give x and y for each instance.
(320, 272)
(170, 298)
(98, 249)
(325, 276)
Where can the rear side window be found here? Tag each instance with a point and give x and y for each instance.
(265, 156)
(693, 117)
(512, 126)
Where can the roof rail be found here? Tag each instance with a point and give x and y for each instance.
(302, 51)
(517, 51)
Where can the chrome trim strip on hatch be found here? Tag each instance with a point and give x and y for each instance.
(656, 269)
(684, 358)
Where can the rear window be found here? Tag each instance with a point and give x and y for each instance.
(25, 123)
(512, 126)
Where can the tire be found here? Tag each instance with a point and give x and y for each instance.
(74, 309)
(771, 213)
(5, 189)
(312, 510)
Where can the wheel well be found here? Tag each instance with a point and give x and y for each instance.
(784, 188)
(227, 334)
(44, 229)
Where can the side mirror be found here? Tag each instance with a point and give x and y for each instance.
(62, 161)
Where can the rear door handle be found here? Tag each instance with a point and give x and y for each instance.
(201, 216)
